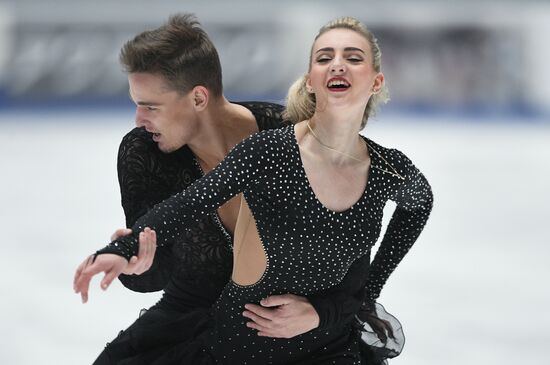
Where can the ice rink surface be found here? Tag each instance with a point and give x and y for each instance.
(473, 290)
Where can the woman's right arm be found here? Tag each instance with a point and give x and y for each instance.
(239, 171)
(249, 162)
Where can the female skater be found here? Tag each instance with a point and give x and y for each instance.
(316, 190)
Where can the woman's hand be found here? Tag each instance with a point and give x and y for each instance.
(146, 253)
(112, 265)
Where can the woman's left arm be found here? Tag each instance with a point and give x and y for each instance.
(414, 200)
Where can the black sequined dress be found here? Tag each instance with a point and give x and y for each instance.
(196, 266)
(309, 247)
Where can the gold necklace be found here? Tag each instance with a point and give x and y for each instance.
(328, 147)
(394, 173)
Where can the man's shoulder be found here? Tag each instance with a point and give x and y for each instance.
(272, 139)
(268, 115)
(262, 107)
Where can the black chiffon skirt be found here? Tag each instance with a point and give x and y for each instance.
(162, 336)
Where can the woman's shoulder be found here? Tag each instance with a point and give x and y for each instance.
(389, 152)
(391, 159)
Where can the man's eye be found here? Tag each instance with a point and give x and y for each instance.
(151, 108)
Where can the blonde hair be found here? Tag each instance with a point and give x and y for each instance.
(301, 103)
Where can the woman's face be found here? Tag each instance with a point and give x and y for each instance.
(341, 70)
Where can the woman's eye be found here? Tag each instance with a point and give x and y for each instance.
(323, 59)
(355, 59)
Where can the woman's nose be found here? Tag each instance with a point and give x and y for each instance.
(337, 66)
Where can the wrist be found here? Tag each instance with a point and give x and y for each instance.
(323, 310)
(315, 320)
(110, 250)
(125, 246)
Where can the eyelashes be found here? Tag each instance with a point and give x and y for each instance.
(325, 59)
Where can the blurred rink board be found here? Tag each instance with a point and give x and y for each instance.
(478, 56)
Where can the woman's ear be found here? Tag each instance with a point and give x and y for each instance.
(309, 88)
(378, 83)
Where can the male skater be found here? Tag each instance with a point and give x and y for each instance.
(185, 128)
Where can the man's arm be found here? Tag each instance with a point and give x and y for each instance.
(288, 315)
(146, 177)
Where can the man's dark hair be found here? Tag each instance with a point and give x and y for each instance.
(180, 51)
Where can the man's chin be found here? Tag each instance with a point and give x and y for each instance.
(166, 149)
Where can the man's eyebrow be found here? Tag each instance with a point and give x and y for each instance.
(142, 103)
(147, 103)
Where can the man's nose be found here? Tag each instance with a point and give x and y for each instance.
(140, 121)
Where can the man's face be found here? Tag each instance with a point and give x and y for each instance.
(164, 112)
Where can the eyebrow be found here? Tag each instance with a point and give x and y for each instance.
(142, 103)
(347, 49)
(147, 103)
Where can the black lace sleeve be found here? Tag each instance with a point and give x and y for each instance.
(146, 177)
(414, 203)
(239, 171)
